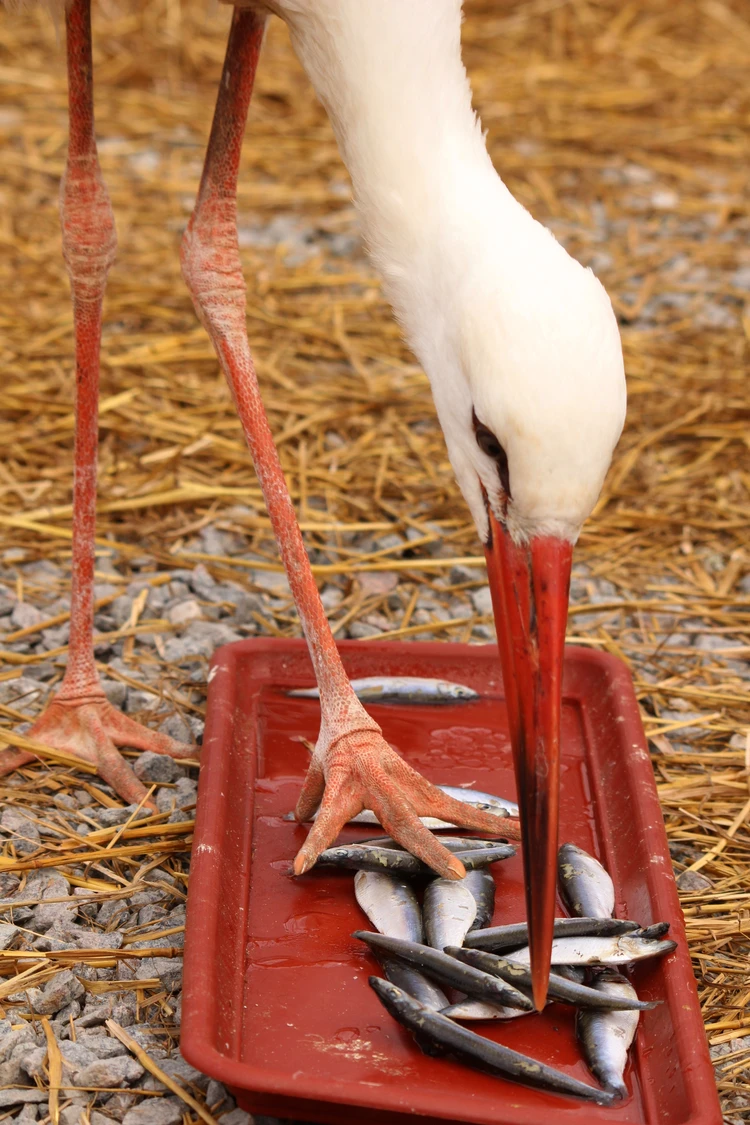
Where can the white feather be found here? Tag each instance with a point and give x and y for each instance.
(503, 320)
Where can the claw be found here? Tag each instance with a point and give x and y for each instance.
(359, 770)
(91, 730)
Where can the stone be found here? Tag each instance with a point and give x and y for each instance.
(358, 630)
(245, 606)
(21, 829)
(153, 912)
(21, 692)
(97, 1118)
(90, 939)
(693, 881)
(140, 699)
(62, 1020)
(27, 1115)
(24, 616)
(75, 1054)
(201, 578)
(47, 914)
(113, 910)
(167, 969)
(185, 612)
(179, 728)
(110, 817)
(240, 1117)
(122, 1070)
(21, 1035)
(102, 1045)
(12, 1073)
(120, 609)
(20, 1094)
(8, 935)
(9, 883)
(378, 581)
(184, 792)
(73, 1114)
(481, 599)
(119, 1104)
(57, 992)
(272, 580)
(56, 637)
(150, 767)
(155, 1046)
(187, 1075)
(331, 596)
(120, 1008)
(708, 642)
(461, 574)
(156, 1111)
(116, 691)
(217, 1096)
(199, 639)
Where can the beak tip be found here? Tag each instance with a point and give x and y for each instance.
(539, 991)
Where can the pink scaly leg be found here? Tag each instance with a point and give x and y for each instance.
(353, 766)
(79, 719)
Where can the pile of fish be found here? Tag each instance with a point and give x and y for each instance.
(446, 943)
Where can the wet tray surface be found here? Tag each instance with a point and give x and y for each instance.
(276, 1002)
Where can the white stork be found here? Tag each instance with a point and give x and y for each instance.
(523, 354)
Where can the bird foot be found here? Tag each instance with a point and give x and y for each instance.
(359, 770)
(91, 729)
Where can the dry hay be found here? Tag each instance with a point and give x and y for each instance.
(622, 125)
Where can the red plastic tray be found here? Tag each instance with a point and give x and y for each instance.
(276, 1003)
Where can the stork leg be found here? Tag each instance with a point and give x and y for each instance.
(353, 767)
(79, 720)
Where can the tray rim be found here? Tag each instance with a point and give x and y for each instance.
(198, 1006)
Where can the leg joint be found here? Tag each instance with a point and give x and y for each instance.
(211, 266)
(88, 227)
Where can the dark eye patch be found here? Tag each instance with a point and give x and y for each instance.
(489, 445)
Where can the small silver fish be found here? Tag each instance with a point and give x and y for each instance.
(559, 988)
(515, 934)
(499, 806)
(452, 843)
(437, 1034)
(482, 885)
(606, 1036)
(444, 969)
(364, 857)
(390, 904)
(469, 1009)
(598, 950)
(415, 984)
(400, 689)
(448, 909)
(586, 887)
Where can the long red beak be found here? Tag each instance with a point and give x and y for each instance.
(530, 585)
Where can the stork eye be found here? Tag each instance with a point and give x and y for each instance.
(490, 446)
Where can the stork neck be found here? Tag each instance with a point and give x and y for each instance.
(391, 77)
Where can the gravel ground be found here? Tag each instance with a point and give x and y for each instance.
(159, 676)
(163, 666)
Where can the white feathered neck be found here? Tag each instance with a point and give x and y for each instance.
(504, 321)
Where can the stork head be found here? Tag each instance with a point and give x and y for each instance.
(531, 413)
